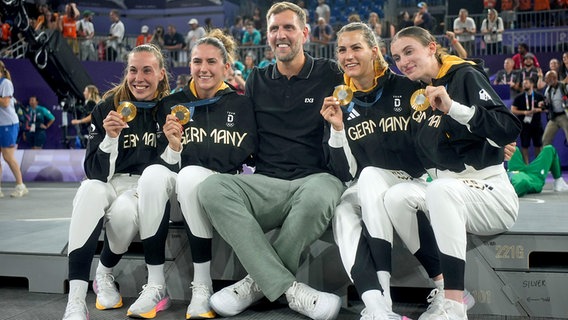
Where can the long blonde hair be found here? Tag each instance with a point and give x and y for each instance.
(121, 91)
(4, 71)
(93, 93)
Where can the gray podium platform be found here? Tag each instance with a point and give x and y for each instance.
(521, 273)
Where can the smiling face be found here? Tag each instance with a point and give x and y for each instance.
(415, 60)
(143, 75)
(286, 35)
(355, 56)
(208, 69)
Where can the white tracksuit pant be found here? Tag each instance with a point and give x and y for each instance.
(455, 207)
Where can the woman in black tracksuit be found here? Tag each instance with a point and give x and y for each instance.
(459, 140)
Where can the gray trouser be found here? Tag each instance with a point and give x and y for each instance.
(243, 207)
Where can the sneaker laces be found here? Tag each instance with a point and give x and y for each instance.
(75, 305)
(199, 290)
(150, 291)
(435, 299)
(246, 288)
(302, 297)
(105, 282)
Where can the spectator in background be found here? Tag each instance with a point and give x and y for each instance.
(9, 131)
(92, 98)
(144, 36)
(237, 29)
(258, 19)
(181, 81)
(323, 11)
(195, 33)
(174, 43)
(556, 104)
(250, 63)
(489, 4)
(24, 122)
(322, 34)
(68, 26)
(529, 71)
(40, 120)
(525, 7)
(235, 79)
(354, 17)
(85, 34)
(403, 20)
(302, 5)
(519, 57)
(115, 36)
(422, 18)
(492, 28)
(541, 18)
(158, 37)
(252, 36)
(563, 72)
(508, 12)
(554, 65)
(47, 20)
(528, 107)
(465, 29)
(268, 58)
(374, 22)
(5, 34)
(509, 76)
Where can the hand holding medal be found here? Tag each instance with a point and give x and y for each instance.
(182, 113)
(343, 94)
(127, 110)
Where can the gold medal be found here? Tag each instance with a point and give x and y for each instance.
(127, 110)
(182, 113)
(418, 100)
(343, 93)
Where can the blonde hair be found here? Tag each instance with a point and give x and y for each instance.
(424, 37)
(121, 91)
(370, 39)
(225, 43)
(93, 93)
(4, 71)
(285, 5)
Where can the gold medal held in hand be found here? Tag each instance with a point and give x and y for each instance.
(419, 101)
(127, 110)
(344, 94)
(182, 113)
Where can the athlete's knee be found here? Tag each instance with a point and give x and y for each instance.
(155, 178)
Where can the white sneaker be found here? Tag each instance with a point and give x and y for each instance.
(560, 185)
(152, 299)
(106, 291)
(449, 310)
(312, 303)
(19, 191)
(381, 315)
(436, 303)
(76, 310)
(199, 307)
(235, 298)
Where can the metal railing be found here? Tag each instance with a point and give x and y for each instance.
(539, 40)
(15, 51)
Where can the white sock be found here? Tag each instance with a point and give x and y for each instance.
(202, 273)
(78, 289)
(456, 308)
(384, 280)
(102, 269)
(156, 274)
(439, 284)
(374, 300)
